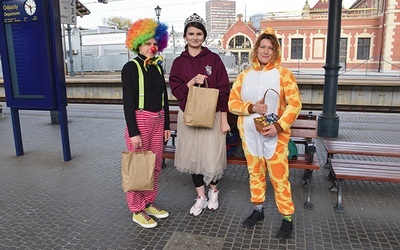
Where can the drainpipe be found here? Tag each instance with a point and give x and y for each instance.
(382, 35)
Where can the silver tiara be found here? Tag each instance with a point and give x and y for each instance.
(195, 19)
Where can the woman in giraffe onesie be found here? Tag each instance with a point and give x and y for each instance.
(267, 150)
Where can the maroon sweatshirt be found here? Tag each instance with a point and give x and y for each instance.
(208, 63)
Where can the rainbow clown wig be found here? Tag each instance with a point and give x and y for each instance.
(144, 29)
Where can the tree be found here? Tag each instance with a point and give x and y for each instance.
(121, 23)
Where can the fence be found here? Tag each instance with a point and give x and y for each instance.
(113, 63)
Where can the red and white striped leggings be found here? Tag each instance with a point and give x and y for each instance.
(151, 127)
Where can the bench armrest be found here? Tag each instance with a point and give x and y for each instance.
(309, 146)
(310, 149)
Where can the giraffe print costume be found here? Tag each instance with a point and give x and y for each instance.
(267, 154)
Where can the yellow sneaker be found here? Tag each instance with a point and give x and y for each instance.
(143, 219)
(156, 212)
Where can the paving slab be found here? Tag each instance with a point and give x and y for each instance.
(46, 203)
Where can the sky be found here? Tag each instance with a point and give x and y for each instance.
(174, 12)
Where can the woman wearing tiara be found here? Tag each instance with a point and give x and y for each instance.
(200, 151)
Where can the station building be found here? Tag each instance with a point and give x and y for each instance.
(369, 29)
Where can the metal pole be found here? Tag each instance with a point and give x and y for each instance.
(328, 121)
(71, 60)
(80, 44)
(298, 66)
(16, 123)
(65, 57)
(173, 37)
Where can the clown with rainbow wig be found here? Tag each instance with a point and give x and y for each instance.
(146, 110)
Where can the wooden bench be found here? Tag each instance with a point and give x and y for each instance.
(350, 169)
(304, 130)
(360, 148)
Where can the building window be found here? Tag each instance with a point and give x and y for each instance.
(343, 53)
(239, 42)
(363, 47)
(297, 48)
(318, 48)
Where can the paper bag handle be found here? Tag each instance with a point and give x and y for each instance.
(206, 82)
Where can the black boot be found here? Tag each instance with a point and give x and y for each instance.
(286, 230)
(253, 218)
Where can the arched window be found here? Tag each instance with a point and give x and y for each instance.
(239, 42)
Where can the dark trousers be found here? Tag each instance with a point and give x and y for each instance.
(198, 180)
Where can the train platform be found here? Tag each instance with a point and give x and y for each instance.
(46, 203)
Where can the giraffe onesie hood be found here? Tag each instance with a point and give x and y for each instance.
(267, 153)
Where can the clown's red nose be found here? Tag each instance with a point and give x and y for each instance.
(153, 49)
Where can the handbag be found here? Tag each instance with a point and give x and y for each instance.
(293, 152)
(268, 119)
(200, 106)
(137, 170)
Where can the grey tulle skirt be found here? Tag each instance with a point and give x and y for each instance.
(201, 150)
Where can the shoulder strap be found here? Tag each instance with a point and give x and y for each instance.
(159, 70)
(141, 85)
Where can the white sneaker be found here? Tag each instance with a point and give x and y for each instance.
(213, 200)
(198, 207)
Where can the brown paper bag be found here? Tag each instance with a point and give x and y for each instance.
(137, 170)
(201, 106)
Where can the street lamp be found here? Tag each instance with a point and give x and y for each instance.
(158, 12)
